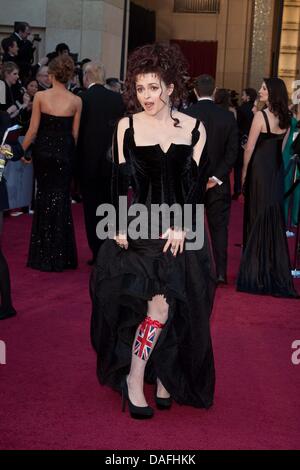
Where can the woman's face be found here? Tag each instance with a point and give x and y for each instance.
(12, 77)
(32, 88)
(152, 93)
(263, 93)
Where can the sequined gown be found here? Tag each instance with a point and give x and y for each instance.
(52, 245)
(124, 280)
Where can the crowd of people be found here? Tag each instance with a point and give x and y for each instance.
(151, 298)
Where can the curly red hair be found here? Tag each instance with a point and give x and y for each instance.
(164, 60)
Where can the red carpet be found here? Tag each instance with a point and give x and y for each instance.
(50, 397)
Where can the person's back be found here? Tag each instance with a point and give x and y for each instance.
(221, 131)
(222, 144)
(54, 128)
(101, 109)
(58, 102)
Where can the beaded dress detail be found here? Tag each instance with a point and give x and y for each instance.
(52, 245)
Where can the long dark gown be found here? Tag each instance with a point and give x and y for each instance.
(52, 245)
(124, 280)
(265, 265)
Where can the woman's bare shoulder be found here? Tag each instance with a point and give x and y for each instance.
(77, 101)
(123, 124)
(39, 95)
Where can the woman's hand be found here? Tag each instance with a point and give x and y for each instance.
(210, 184)
(26, 161)
(12, 110)
(26, 100)
(121, 240)
(176, 240)
(244, 173)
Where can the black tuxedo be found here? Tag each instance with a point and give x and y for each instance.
(42, 87)
(244, 121)
(101, 110)
(222, 148)
(25, 56)
(244, 118)
(9, 58)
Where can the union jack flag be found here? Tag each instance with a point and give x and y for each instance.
(144, 341)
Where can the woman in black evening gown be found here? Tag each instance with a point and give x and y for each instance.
(265, 265)
(55, 122)
(153, 290)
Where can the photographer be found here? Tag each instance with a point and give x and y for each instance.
(26, 48)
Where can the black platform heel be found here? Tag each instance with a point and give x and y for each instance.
(136, 412)
(162, 403)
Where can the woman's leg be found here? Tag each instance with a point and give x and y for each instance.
(145, 340)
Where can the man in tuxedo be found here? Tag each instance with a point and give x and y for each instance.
(26, 49)
(10, 48)
(101, 110)
(244, 120)
(222, 148)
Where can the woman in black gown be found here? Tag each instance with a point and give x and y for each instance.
(265, 265)
(148, 291)
(55, 123)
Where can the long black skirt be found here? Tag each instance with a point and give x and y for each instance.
(121, 284)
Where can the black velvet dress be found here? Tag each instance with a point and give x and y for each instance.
(265, 265)
(124, 280)
(52, 245)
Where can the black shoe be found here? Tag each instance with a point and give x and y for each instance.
(162, 403)
(7, 313)
(221, 280)
(136, 412)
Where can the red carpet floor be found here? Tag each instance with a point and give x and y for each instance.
(50, 397)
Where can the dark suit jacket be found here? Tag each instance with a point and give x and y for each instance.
(245, 118)
(222, 137)
(9, 58)
(25, 53)
(101, 111)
